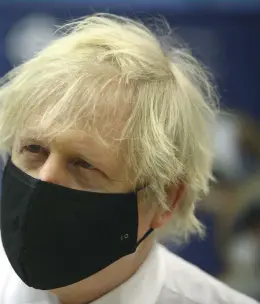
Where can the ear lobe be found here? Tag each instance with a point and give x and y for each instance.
(161, 219)
(164, 216)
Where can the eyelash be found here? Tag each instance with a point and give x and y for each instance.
(28, 147)
(41, 150)
(84, 165)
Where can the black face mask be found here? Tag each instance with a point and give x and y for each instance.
(55, 236)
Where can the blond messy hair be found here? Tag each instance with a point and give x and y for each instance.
(115, 61)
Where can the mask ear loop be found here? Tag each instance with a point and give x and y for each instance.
(151, 229)
(145, 236)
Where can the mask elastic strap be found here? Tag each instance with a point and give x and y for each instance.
(145, 236)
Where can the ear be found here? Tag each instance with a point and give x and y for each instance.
(162, 217)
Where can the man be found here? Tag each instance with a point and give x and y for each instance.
(109, 140)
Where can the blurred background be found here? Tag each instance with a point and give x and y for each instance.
(225, 36)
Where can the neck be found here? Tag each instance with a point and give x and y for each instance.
(98, 285)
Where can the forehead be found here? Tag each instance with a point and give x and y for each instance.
(92, 123)
(96, 117)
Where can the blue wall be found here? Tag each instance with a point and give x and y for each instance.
(228, 42)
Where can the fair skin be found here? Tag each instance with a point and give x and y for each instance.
(80, 161)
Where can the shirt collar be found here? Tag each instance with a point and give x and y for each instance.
(143, 287)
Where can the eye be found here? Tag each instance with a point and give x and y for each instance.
(35, 149)
(83, 164)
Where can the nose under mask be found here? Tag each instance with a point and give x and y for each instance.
(55, 236)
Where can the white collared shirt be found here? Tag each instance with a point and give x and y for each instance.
(163, 278)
